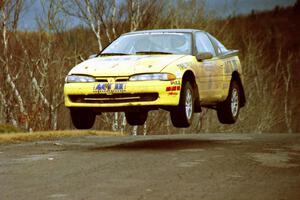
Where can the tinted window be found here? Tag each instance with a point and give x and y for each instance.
(203, 44)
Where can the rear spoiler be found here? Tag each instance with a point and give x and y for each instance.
(229, 53)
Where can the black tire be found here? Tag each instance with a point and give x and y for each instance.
(82, 118)
(182, 115)
(136, 118)
(228, 111)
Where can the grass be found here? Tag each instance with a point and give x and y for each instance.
(7, 138)
(7, 128)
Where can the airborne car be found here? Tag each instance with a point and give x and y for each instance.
(178, 70)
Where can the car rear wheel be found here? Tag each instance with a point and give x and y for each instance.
(182, 115)
(82, 118)
(136, 117)
(228, 110)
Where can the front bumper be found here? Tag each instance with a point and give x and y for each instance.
(122, 94)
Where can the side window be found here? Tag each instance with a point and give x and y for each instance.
(203, 44)
(221, 48)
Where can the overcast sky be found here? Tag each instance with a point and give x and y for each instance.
(220, 7)
(245, 6)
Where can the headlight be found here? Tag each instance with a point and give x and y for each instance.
(79, 79)
(158, 76)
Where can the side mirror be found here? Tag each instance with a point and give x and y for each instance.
(92, 56)
(204, 56)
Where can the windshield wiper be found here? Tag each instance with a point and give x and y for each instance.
(152, 52)
(114, 54)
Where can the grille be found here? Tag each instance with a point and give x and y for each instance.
(115, 98)
(117, 79)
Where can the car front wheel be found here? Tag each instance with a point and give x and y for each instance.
(82, 118)
(182, 115)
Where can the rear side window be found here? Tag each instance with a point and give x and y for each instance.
(220, 47)
(203, 44)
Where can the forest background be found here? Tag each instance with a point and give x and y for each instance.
(33, 64)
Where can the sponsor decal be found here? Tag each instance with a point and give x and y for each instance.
(235, 65)
(123, 58)
(114, 65)
(183, 66)
(110, 88)
(173, 88)
(230, 65)
(172, 93)
(176, 82)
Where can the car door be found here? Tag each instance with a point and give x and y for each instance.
(209, 78)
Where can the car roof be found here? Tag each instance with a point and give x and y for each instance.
(164, 31)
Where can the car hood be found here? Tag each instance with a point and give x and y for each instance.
(124, 65)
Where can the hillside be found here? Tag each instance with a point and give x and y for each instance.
(277, 35)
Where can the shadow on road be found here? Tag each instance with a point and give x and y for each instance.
(160, 144)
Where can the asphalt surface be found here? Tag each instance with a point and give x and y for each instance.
(183, 167)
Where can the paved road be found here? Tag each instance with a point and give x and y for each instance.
(183, 167)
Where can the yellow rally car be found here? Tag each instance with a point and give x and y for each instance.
(179, 70)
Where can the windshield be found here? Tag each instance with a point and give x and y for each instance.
(156, 43)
